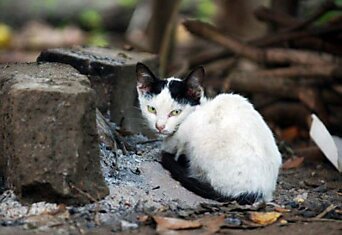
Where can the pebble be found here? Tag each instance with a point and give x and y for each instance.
(125, 225)
(308, 214)
(232, 220)
(321, 189)
(301, 197)
(293, 204)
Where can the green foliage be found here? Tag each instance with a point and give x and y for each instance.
(50, 4)
(328, 16)
(205, 9)
(128, 3)
(91, 19)
(98, 38)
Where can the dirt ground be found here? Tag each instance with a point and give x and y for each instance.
(306, 192)
(308, 198)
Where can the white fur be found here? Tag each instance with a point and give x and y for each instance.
(164, 105)
(225, 139)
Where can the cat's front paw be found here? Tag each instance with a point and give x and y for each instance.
(169, 146)
(182, 160)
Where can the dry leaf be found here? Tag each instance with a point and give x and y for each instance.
(293, 163)
(281, 209)
(167, 223)
(212, 223)
(290, 133)
(264, 218)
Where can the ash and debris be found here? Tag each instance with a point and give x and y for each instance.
(140, 186)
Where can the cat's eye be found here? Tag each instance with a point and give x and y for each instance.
(151, 109)
(175, 112)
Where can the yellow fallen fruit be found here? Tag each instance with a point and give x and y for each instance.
(299, 200)
(264, 218)
(5, 35)
(283, 222)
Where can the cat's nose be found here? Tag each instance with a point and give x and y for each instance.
(160, 128)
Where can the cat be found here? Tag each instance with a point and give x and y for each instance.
(230, 153)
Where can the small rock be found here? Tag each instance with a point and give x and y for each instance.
(233, 221)
(293, 204)
(73, 210)
(308, 214)
(90, 225)
(301, 197)
(185, 213)
(321, 189)
(125, 225)
(312, 182)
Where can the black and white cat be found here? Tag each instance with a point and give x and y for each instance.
(229, 147)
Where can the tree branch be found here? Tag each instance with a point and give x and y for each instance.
(325, 7)
(328, 71)
(271, 55)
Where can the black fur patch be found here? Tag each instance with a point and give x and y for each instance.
(188, 91)
(179, 92)
(248, 198)
(179, 171)
(157, 87)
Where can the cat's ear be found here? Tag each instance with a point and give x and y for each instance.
(193, 83)
(145, 78)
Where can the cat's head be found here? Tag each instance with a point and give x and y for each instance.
(166, 103)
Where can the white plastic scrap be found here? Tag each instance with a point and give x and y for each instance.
(331, 146)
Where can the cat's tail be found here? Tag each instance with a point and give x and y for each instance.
(179, 171)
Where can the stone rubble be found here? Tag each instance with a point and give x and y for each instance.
(48, 141)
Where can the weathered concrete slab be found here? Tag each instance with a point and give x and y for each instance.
(49, 143)
(112, 75)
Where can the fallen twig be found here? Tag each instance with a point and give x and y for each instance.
(301, 39)
(83, 193)
(326, 211)
(328, 71)
(287, 112)
(311, 34)
(149, 141)
(310, 153)
(325, 7)
(90, 198)
(276, 17)
(256, 84)
(279, 88)
(270, 55)
(220, 67)
(293, 220)
(208, 56)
